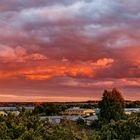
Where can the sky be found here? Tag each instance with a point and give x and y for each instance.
(69, 50)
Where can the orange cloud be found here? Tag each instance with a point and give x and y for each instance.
(84, 69)
(105, 62)
(106, 83)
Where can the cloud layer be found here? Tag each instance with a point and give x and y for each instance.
(69, 48)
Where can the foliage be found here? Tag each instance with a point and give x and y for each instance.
(80, 121)
(110, 126)
(134, 104)
(29, 127)
(49, 109)
(121, 129)
(111, 106)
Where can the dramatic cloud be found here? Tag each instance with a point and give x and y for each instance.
(18, 54)
(69, 48)
(55, 69)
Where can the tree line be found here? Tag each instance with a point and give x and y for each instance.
(113, 123)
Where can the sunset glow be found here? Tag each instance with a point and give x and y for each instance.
(68, 50)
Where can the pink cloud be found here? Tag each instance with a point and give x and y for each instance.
(18, 54)
(44, 43)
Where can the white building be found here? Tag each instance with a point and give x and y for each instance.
(8, 108)
(91, 119)
(59, 119)
(73, 117)
(129, 111)
(52, 119)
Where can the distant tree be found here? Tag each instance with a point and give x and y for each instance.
(38, 109)
(111, 105)
(133, 104)
(80, 122)
(49, 109)
(89, 106)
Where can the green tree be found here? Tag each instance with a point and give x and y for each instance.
(111, 105)
(80, 122)
(122, 129)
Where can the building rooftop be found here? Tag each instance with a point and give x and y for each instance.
(132, 109)
(77, 108)
(7, 108)
(73, 117)
(91, 118)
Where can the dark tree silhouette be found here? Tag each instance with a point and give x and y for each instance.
(111, 105)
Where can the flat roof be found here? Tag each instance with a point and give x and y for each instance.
(7, 108)
(82, 109)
